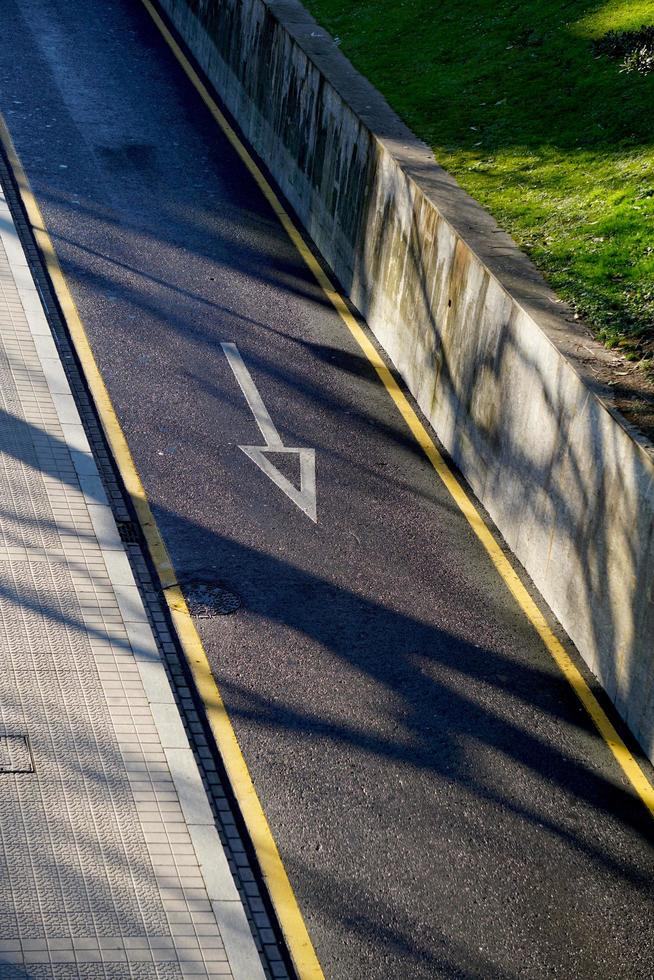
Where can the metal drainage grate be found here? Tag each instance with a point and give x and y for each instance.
(15, 754)
(208, 599)
(129, 532)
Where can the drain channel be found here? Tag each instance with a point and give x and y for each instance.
(15, 753)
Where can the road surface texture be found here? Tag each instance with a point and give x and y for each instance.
(442, 805)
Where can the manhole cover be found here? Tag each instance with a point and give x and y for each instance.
(15, 754)
(206, 599)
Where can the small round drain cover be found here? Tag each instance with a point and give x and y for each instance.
(207, 599)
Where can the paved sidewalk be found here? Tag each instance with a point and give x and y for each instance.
(111, 864)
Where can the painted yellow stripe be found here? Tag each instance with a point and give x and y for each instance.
(286, 908)
(602, 722)
(279, 887)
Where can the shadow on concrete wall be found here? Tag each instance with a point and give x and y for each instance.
(566, 485)
(568, 488)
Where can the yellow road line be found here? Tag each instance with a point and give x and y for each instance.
(602, 722)
(279, 887)
(284, 901)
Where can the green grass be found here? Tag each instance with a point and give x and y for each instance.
(555, 141)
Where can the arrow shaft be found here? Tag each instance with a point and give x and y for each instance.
(252, 396)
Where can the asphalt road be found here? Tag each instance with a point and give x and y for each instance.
(441, 803)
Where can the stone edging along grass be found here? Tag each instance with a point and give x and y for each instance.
(542, 111)
(490, 353)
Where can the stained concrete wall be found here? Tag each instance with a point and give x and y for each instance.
(490, 354)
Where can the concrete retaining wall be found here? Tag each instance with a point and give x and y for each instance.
(490, 354)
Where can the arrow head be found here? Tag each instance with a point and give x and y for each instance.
(305, 497)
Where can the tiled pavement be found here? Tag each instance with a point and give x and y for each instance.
(111, 862)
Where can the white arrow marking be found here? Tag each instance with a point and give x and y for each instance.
(305, 497)
(252, 396)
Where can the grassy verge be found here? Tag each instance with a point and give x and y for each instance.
(553, 138)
